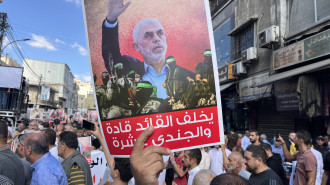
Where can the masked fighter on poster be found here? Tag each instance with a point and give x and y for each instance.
(149, 40)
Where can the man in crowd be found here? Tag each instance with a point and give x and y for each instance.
(33, 125)
(181, 174)
(228, 179)
(255, 161)
(75, 165)
(45, 168)
(235, 165)
(290, 142)
(191, 161)
(245, 142)
(10, 165)
(216, 157)
(274, 162)
(263, 138)
(320, 146)
(51, 138)
(203, 177)
(277, 148)
(20, 151)
(254, 137)
(306, 161)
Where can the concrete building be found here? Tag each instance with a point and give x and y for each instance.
(58, 77)
(267, 53)
(85, 96)
(9, 62)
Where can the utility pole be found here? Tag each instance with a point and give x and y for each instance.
(3, 27)
(39, 88)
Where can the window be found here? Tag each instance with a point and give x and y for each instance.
(305, 14)
(217, 5)
(222, 41)
(242, 41)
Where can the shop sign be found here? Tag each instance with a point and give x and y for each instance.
(247, 90)
(286, 95)
(310, 48)
(226, 73)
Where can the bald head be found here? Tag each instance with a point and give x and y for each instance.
(38, 143)
(237, 156)
(203, 177)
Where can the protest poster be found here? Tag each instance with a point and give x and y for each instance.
(151, 66)
(98, 166)
(36, 113)
(85, 147)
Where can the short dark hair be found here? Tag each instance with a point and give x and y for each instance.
(256, 131)
(57, 121)
(257, 152)
(70, 139)
(3, 130)
(195, 153)
(45, 124)
(50, 135)
(39, 145)
(266, 147)
(228, 179)
(305, 136)
(124, 168)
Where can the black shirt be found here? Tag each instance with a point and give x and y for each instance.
(275, 163)
(326, 165)
(267, 177)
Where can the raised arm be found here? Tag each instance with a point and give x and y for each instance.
(286, 152)
(115, 9)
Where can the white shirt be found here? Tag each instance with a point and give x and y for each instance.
(245, 142)
(205, 162)
(192, 174)
(319, 172)
(54, 153)
(216, 159)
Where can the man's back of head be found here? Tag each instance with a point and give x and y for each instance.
(203, 177)
(304, 136)
(50, 135)
(35, 146)
(228, 179)
(70, 139)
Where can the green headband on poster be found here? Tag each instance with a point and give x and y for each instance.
(131, 72)
(117, 65)
(148, 86)
(207, 53)
(170, 60)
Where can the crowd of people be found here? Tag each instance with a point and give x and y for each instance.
(50, 154)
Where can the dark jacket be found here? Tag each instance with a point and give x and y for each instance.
(275, 163)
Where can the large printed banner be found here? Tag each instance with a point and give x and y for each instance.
(154, 64)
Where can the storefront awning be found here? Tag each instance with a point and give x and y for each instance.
(225, 86)
(287, 74)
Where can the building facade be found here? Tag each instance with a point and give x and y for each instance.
(56, 75)
(274, 75)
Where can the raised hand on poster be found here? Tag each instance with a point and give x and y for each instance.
(115, 8)
(147, 163)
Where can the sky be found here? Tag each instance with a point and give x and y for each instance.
(56, 29)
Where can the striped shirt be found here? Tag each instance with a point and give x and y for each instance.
(77, 175)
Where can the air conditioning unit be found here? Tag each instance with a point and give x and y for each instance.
(249, 55)
(268, 36)
(239, 69)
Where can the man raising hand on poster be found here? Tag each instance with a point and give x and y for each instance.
(149, 40)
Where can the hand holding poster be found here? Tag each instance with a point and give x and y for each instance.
(152, 67)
